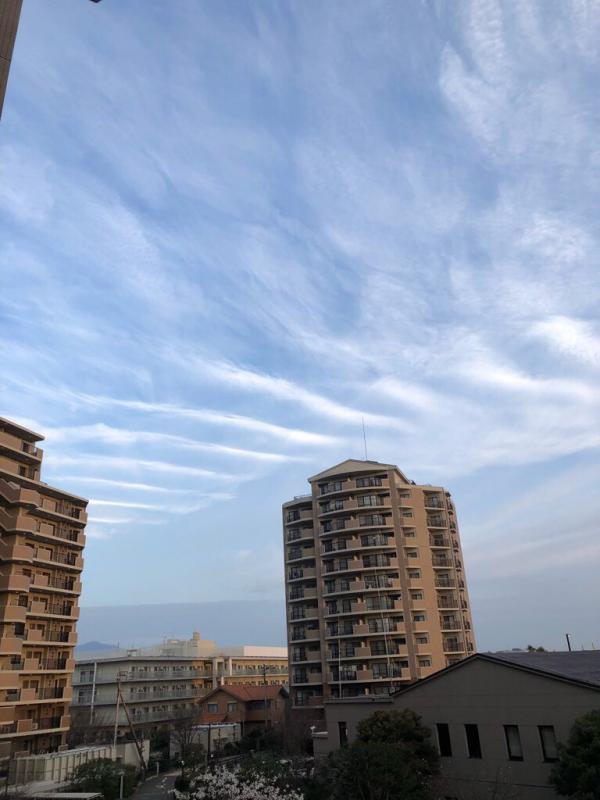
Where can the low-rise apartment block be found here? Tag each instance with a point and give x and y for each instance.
(163, 684)
(42, 535)
(375, 584)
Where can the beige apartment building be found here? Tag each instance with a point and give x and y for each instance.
(376, 592)
(41, 542)
(164, 683)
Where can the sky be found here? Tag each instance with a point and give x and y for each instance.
(231, 231)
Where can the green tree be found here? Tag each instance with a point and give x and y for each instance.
(577, 772)
(531, 649)
(104, 776)
(392, 758)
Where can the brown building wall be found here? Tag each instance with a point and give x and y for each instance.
(42, 535)
(10, 11)
(375, 584)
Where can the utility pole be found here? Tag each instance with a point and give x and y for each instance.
(264, 674)
(568, 637)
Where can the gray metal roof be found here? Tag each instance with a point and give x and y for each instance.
(579, 665)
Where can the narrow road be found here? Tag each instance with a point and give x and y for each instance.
(156, 788)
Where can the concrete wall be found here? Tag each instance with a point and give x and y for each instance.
(490, 696)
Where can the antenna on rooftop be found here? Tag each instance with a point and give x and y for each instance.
(364, 438)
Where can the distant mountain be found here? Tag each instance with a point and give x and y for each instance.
(228, 622)
(96, 647)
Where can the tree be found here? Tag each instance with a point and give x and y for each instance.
(531, 649)
(104, 776)
(187, 743)
(577, 772)
(392, 758)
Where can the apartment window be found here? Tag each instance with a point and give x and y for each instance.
(414, 574)
(413, 595)
(231, 706)
(548, 742)
(213, 708)
(410, 533)
(419, 617)
(343, 733)
(421, 639)
(412, 553)
(327, 526)
(406, 513)
(424, 662)
(340, 524)
(513, 742)
(443, 736)
(473, 743)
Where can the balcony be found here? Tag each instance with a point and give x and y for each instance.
(439, 541)
(48, 665)
(445, 582)
(301, 553)
(16, 522)
(14, 494)
(51, 637)
(354, 505)
(298, 573)
(451, 625)
(434, 501)
(441, 560)
(11, 644)
(57, 584)
(436, 522)
(69, 560)
(13, 612)
(454, 647)
(38, 608)
(338, 487)
(19, 450)
(12, 550)
(297, 515)
(449, 601)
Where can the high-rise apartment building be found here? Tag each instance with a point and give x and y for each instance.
(376, 593)
(10, 11)
(41, 541)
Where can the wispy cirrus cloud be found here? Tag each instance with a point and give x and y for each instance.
(332, 226)
(121, 436)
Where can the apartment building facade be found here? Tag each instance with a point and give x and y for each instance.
(376, 593)
(42, 536)
(163, 684)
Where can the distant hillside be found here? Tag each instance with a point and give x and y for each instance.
(96, 647)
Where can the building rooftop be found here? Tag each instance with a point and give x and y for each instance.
(19, 430)
(351, 465)
(246, 692)
(579, 665)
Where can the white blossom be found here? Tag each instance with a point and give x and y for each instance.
(223, 784)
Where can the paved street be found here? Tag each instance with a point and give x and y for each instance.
(156, 788)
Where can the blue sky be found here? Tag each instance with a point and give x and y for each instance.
(228, 231)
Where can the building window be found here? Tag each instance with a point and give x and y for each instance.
(213, 708)
(343, 733)
(424, 662)
(231, 706)
(443, 735)
(473, 743)
(419, 617)
(548, 741)
(513, 742)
